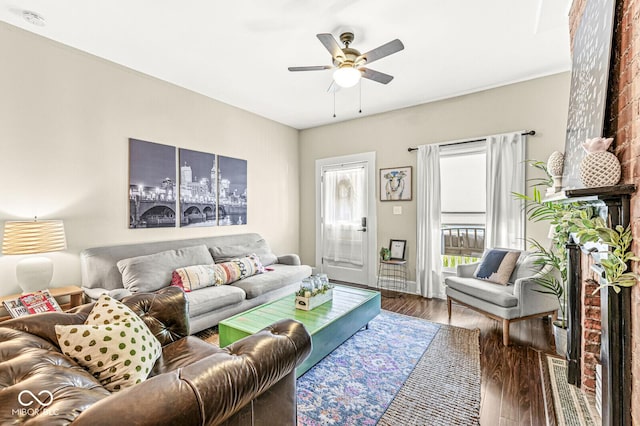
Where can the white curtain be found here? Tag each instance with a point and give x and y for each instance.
(428, 261)
(344, 206)
(505, 175)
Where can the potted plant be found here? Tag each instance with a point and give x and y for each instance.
(562, 218)
(385, 253)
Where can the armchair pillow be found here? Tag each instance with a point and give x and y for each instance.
(497, 265)
(114, 344)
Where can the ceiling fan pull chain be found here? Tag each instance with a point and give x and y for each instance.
(360, 110)
(334, 104)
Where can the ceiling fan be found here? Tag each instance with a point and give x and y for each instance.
(349, 63)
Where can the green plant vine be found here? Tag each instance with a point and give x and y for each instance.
(618, 254)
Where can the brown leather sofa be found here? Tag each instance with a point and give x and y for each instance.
(251, 382)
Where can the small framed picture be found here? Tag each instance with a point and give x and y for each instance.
(395, 184)
(397, 248)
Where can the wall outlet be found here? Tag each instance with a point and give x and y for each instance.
(397, 209)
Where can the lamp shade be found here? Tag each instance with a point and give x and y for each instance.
(346, 76)
(37, 236)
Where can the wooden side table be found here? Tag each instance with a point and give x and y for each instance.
(75, 294)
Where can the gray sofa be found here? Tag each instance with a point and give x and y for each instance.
(206, 306)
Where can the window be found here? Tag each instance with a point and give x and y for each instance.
(463, 202)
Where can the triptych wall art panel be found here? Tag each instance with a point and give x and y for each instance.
(211, 190)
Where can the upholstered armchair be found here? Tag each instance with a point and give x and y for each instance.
(518, 300)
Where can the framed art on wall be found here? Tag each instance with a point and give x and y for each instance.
(198, 188)
(152, 185)
(395, 184)
(232, 191)
(397, 248)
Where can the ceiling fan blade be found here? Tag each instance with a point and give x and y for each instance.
(330, 44)
(333, 87)
(382, 51)
(312, 68)
(378, 76)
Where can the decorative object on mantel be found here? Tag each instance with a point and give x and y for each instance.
(600, 167)
(314, 291)
(555, 166)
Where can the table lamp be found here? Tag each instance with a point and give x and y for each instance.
(38, 236)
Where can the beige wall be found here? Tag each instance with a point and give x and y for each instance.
(540, 104)
(66, 117)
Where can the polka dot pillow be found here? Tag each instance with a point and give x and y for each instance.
(114, 345)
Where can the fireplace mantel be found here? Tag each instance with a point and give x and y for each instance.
(615, 354)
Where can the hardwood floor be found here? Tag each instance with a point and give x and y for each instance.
(511, 389)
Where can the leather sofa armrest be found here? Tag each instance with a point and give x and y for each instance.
(95, 293)
(289, 259)
(164, 312)
(44, 325)
(212, 389)
(467, 270)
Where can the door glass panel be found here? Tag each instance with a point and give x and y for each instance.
(344, 206)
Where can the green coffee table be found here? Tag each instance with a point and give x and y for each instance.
(329, 325)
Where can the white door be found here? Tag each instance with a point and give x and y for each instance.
(346, 225)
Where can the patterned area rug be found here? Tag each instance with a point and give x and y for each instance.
(402, 370)
(570, 404)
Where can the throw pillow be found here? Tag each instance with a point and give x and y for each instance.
(237, 269)
(497, 265)
(153, 272)
(194, 277)
(114, 344)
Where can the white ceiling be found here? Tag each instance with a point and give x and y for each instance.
(238, 51)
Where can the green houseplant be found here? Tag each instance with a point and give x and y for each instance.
(385, 253)
(561, 218)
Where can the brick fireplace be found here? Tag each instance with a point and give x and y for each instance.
(622, 121)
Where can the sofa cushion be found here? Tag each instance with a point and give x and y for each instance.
(497, 265)
(494, 293)
(209, 299)
(153, 272)
(278, 277)
(259, 247)
(194, 277)
(114, 344)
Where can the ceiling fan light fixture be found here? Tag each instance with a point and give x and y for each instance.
(346, 77)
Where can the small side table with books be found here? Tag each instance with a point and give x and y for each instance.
(18, 305)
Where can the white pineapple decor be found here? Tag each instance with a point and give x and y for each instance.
(600, 167)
